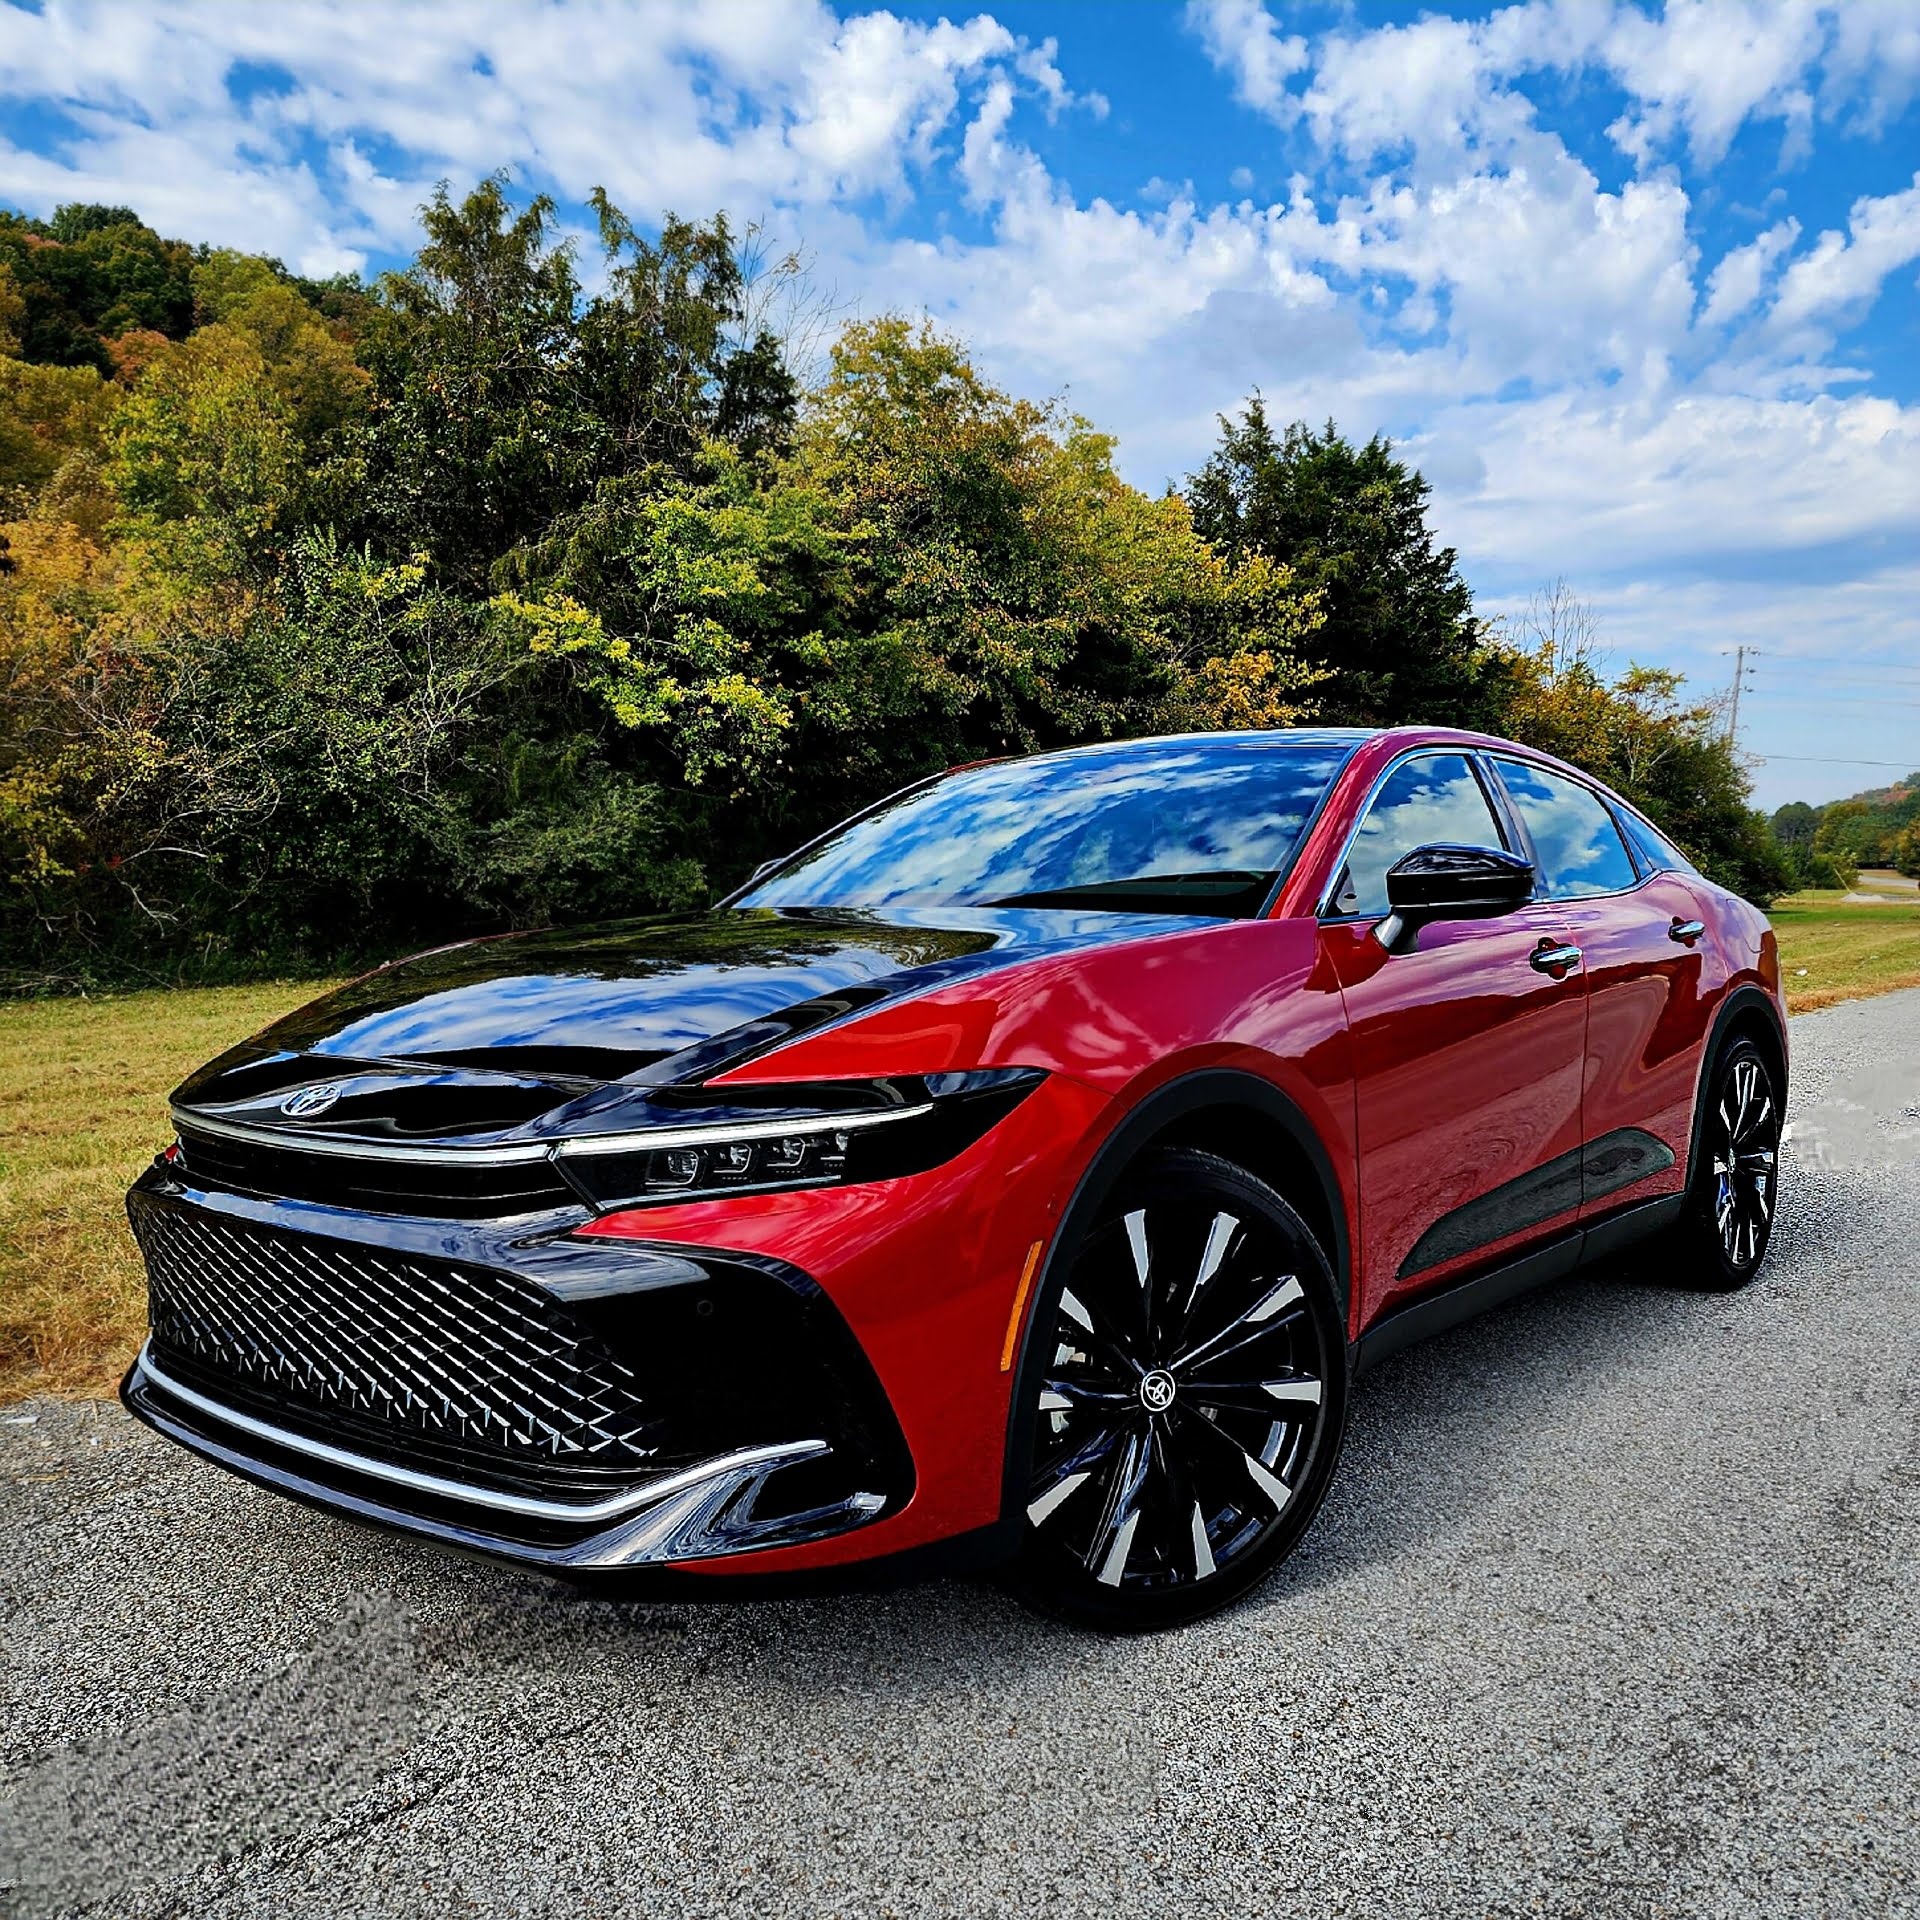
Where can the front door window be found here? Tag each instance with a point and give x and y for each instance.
(1432, 800)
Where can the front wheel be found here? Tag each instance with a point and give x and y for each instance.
(1190, 1399)
(1722, 1236)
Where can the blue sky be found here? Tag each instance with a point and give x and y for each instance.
(1638, 287)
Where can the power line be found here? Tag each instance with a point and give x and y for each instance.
(1850, 699)
(1836, 760)
(1848, 660)
(1835, 673)
(1830, 699)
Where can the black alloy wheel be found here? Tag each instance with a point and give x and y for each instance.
(1730, 1205)
(1191, 1397)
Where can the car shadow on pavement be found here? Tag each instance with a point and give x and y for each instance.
(1428, 1441)
(1444, 1433)
(363, 1665)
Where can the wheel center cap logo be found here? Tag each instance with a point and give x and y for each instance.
(309, 1101)
(1157, 1390)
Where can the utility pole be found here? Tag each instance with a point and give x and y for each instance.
(1740, 672)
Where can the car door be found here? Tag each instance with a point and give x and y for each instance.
(1640, 939)
(1466, 1044)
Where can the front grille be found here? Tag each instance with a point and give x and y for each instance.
(376, 1185)
(431, 1356)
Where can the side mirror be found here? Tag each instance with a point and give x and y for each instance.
(1452, 883)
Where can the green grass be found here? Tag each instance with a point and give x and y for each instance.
(83, 1088)
(1831, 950)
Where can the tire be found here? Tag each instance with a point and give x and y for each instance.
(1188, 1403)
(1721, 1238)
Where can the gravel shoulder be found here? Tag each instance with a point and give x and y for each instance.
(1611, 1611)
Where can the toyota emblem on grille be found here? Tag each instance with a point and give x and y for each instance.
(304, 1104)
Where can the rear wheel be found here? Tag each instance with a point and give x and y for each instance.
(1722, 1236)
(1190, 1402)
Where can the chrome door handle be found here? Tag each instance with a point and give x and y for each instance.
(1557, 960)
(1686, 931)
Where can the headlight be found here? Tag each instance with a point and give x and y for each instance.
(819, 1135)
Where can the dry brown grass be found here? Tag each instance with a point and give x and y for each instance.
(83, 1087)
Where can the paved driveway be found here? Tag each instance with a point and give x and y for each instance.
(1611, 1612)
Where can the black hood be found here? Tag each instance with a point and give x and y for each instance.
(494, 1035)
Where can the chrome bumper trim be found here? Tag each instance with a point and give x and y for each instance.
(729, 1471)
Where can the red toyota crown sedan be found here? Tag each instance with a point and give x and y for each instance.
(1022, 1171)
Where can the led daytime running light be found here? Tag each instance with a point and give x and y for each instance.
(660, 1139)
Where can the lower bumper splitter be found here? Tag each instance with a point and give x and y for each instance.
(703, 1511)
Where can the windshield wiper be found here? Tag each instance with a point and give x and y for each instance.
(1227, 892)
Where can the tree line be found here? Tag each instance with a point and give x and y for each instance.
(1827, 846)
(342, 617)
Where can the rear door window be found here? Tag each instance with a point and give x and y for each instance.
(1578, 847)
(1657, 853)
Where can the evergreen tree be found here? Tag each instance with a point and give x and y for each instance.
(1400, 640)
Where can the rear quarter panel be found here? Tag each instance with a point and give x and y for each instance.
(1744, 953)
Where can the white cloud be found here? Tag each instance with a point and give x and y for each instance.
(1874, 63)
(878, 94)
(1846, 270)
(1543, 275)
(1242, 37)
(1695, 71)
(1702, 479)
(1703, 67)
(1438, 87)
(1737, 281)
(759, 103)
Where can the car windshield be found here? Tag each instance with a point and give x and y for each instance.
(1201, 825)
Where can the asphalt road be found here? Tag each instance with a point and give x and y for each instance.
(1612, 1611)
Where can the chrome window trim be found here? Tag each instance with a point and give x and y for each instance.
(1427, 749)
(527, 1506)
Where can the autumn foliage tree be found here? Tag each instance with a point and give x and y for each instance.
(339, 617)
(488, 601)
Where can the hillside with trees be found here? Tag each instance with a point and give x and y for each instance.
(1827, 846)
(339, 618)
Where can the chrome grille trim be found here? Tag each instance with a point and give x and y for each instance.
(350, 1148)
(525, 1506)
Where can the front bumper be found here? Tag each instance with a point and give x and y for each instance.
(828, 1368)
(506, 1388)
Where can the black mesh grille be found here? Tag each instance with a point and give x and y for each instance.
(466, 1357)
